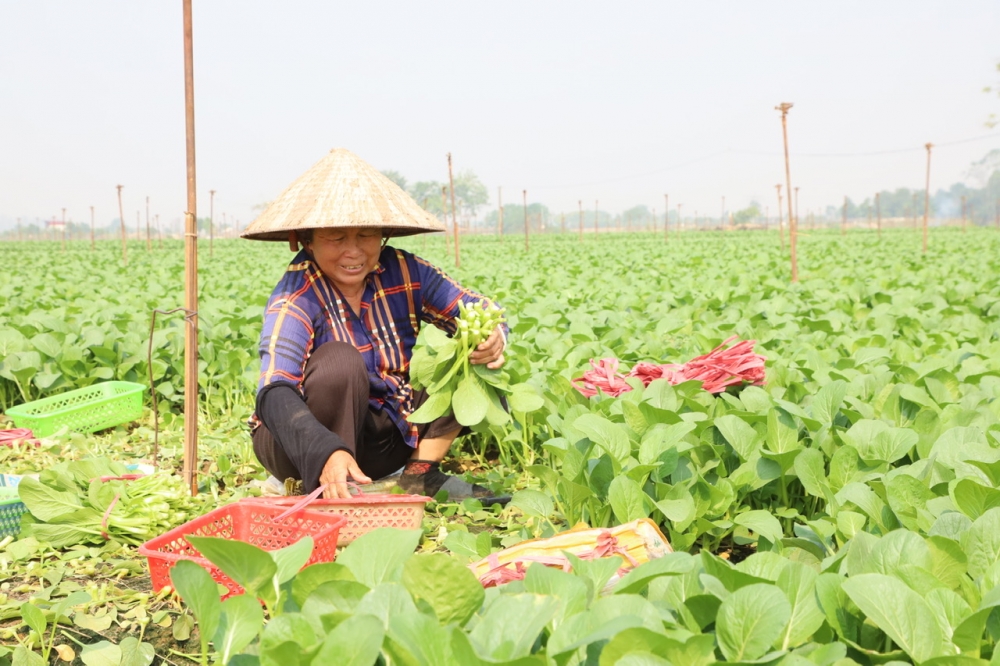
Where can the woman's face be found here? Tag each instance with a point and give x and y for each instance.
(346, 256)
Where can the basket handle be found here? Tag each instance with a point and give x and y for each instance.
(123, 477)
(305, 501)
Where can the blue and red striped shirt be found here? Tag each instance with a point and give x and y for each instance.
(306, 310)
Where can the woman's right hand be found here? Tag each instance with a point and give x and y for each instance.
(340, 467)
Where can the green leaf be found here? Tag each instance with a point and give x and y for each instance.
(974, 499)
(533, 503)
(898, 611)
(200, 593)
(762, 523)
(798, 582)
(451, 589)
(627, 499)
(101, 653)
(240, 621)
(34, 618)
(750, 620)
(22, 656)
(378, 556)
(315, 575)
(135, 653)
(469, 401)
(524, 398)
(509, 626)
(981, 543)
(386, 601)
(46, 503)
(251, 567)
(290, 559)
(744, 439)
(416, 639)
(609, 436)
(827, 401)
(436, 406)
(356, 641)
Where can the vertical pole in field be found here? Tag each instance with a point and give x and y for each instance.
(963, 214)
(500, 212)
(792, 221)
(781, 222)
(92, 242)
(597, 216)
(190, 268)
(149, 235)
(444, 218)
(211, 223)
(64, 229)
(878, 215)
(843, 223)
(454, 220)
(580, 202)
(121, 218)
(526, 234)
(927, 193)
(666, 217)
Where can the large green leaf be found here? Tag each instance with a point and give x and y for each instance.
(627, 499)
(609, 436)
(251, 567)
(470, 402)
(378, 556)
(898, 611)
(750, 620)
(451, 589)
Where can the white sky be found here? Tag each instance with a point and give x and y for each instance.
(616, 101)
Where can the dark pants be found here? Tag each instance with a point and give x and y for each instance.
(336, 391)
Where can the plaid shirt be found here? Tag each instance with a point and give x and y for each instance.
(306, 310)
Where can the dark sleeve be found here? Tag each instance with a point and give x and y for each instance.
(306, 442)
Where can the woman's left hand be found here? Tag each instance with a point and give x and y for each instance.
(489, 352)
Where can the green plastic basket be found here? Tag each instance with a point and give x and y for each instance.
(11, 508)
(84, 410)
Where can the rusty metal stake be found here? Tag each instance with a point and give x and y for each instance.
(781, 224)
(454, 221)
(121, 218)
(190, 268)
(792, 217)
(927, 193)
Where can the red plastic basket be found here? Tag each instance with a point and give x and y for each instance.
(363, 512)
(253, 523)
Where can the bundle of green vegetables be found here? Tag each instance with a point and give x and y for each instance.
(70, 504)
(441, 365)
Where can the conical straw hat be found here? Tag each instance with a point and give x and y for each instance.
(341, 190)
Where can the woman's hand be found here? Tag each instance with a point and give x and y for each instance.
(340, 466)
(490, 351)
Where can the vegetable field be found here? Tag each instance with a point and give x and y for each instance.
(845, 512)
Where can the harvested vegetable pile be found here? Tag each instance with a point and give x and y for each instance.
(716, 370)
(95, 500)
(453, 384)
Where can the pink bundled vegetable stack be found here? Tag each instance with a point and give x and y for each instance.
(716, 370)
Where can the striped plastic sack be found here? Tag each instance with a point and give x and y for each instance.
(633, 543)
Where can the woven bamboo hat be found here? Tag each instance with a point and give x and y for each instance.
(341, 190)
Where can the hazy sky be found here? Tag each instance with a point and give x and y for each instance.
(616, 101)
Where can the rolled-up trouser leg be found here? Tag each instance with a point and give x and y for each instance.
(336, 391)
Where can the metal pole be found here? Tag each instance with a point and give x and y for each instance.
(190, 269)
(878, 215)
(792, 222)
(781, 223)
(524, 193)
(211, 223)
(580, 201)
(666, 217)
(454, 221)
(927, 193)
(121, 218)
